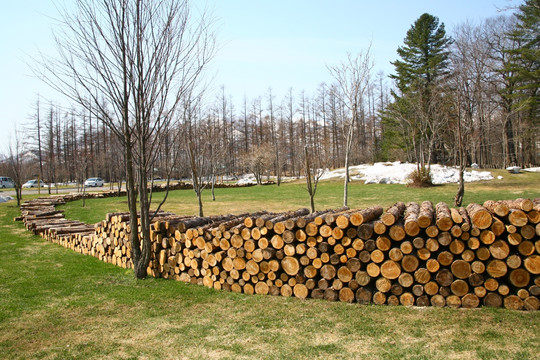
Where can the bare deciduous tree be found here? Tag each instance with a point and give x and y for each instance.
(353, 78)
(141, 57)
(314, 173)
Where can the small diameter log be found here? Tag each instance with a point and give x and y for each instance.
(480, 217)
(520, 204)
(453, 301)
(426, 214)
(379, 298)
(358, 218)
(466, 223)
(534, 216)
(493, 300)
(443, 217)
(497, 227)
(497, 207)
(328, 272)
(365, 231)
(379, 227)
(406, 299)
(393, 213)
(412, 228)
(438, 300)
(383, 284)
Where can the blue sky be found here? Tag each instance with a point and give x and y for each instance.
(278, 44)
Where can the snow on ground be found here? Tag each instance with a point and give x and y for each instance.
(397, 173)
(535, 169)
(5, 198)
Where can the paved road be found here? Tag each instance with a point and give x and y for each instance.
(45, 191)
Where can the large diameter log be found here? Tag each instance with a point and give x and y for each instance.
(300, 291)
(397, 232)
(328, 272)
(459, 287)
(480, 217)
(461, 269)
(531, 303)
(390, 270)
(513, 302)
(499, 249)
(346, 295)
(517, 218)
(290, 265)
(520, 278)
(532, 264)
(470, 301)
(363, 295)
(409, 263)
(344, 274)
(497, 268)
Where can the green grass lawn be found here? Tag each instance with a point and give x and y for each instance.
(57, 304)
(292, 196)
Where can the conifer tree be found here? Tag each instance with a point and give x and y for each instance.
(422, 65)
(524, 68)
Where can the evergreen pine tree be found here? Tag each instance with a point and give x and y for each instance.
(424, 60)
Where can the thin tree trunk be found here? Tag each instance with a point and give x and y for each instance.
(347, 155)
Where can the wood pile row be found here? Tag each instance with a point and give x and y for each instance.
(409, 254)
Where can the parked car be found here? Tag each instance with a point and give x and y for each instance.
(33, 184)
(6, 182)
(94, 182)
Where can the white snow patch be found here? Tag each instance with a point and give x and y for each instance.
(397, 173)
(535, 169)
(5, 198)
(247, 179)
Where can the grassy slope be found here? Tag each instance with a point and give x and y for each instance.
(55, 303)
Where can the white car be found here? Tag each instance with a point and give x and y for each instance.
(94, 182)
(33, 184)
(6, 182)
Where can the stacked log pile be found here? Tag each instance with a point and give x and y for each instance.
(409, 254)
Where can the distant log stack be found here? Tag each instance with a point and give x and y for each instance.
(409, 254)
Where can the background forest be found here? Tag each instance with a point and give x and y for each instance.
(470, 96)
